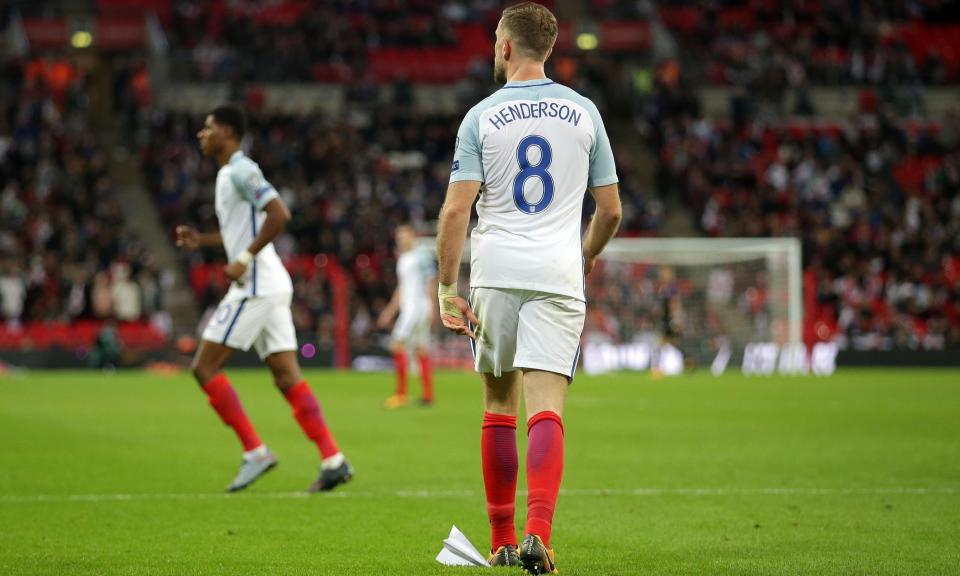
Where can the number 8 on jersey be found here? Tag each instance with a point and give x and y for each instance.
(538, 170)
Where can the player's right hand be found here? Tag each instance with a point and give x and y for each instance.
(187, 237)
(457, 323)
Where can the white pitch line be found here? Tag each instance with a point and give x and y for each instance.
(758, 491)
(573, 492)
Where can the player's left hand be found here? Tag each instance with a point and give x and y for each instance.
(458, 324)
(234, 271)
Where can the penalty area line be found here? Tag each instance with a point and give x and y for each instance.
(422, 494)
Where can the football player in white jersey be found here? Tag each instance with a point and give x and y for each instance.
(256, 310)
(530, 151)
(413, 300)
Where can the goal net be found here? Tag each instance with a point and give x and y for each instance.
(675, 304)
(671, 304)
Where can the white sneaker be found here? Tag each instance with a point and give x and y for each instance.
(252, 467)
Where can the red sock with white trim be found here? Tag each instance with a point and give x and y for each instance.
(223, 398)
(544, 471)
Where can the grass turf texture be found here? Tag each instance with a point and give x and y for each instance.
(835, 451)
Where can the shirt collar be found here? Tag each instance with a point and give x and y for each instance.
(534, 82)
(236, 155)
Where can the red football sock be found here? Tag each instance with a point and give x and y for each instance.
(544, 470)
(498, 448)
(225, 402)
(400, 362)
(306, 410)
(426, 378)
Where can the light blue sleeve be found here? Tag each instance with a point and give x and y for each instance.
(467, 158)
(250, 183)
(603, 170)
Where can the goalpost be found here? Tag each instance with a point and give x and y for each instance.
(708, 301)
(669, 304)
(778, 257)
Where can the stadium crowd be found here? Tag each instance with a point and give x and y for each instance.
(866, 190)
(64, 252)
(301, 41)
(776, 45)
(875, 200)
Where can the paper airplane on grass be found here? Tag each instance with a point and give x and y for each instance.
(458, 551)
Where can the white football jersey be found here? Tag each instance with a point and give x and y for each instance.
(536, 146)
(241, 194)
(415, 270)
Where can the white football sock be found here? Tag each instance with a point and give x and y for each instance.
(332, 462)
(258, 452)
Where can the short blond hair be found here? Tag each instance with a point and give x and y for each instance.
(532, 27)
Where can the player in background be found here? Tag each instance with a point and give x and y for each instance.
(413, 299)
(256, 309)
(536, 147)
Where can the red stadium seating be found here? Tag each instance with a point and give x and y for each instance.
(926, 39)
(82, 334)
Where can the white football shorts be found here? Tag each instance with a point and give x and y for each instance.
(526, 329)
(264, 322)
(412, 327)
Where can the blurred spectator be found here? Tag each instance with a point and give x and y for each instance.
(13, 292)
(61, 226)
(101, 296)
(105, 353)
(125, 294)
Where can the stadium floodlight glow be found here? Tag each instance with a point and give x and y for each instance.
(587, 41)
(81, 39)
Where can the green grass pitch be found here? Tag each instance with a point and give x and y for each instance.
(122, 474)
